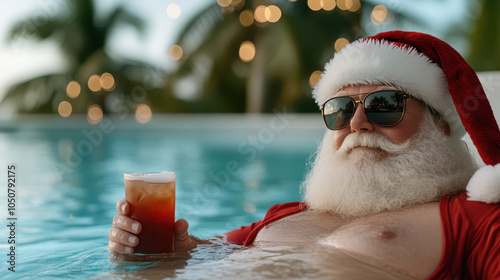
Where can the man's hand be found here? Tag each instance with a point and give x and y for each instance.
(123, 236)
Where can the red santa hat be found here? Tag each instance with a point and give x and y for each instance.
(431, 70)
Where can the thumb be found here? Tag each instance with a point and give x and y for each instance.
(180, 230)
(182, 239)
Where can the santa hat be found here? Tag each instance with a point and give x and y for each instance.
(432, 71)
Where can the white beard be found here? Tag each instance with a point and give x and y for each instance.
(355, 183)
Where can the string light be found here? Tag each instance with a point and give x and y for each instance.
(340, 43)
(64, 109)
(143, 113)
(379, 14)
(94, 83)
(94, 114)
(247, 51)
(73, 89)
(246, 18)
(314, 78)
(107, 81)
(175, 52)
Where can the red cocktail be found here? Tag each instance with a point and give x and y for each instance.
(152, 202)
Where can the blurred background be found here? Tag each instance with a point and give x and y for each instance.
(218, 91)
(68, 58)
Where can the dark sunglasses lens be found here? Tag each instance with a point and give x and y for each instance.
(338, 112)
(385, 108)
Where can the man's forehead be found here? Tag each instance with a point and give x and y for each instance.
(360, 89)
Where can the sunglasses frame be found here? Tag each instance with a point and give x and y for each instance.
(356, 102)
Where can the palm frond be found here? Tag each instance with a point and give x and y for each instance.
(37, 94)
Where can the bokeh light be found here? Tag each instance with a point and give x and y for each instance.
(73, 89)
(340, 44)
(143, 113)
(247, 51)
(328, 5)
(94, 114)
(175, 52)
(342, 4)
(314, 78)
(272, 13)
(173, 10)
(94, 83)
(224, 3)
(260, 14)
(314, 5)
(246, 18)
(356, 5)
(379, 14)
(64, 109)
(107, 81)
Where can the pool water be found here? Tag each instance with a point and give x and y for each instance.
(69, 176)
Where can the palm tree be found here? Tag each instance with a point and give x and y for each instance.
(286, 53)
(485, 44)
(82, 38)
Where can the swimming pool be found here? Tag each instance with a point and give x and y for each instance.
(69, 176)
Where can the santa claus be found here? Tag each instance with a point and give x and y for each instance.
(392, 179)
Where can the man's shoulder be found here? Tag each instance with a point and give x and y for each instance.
(459, 205)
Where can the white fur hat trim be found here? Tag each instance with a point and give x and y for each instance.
(380, 62)
(485, 184)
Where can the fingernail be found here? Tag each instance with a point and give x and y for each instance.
(123, 208)
(135, 226)
(132, 239)
(129, 250)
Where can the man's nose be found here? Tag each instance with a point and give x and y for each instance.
(360, 122)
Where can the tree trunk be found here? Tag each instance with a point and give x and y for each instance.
(257, 79)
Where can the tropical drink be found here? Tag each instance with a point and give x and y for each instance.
(152, 202)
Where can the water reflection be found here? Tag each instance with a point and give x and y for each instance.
(262, 261)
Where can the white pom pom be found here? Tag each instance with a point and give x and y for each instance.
(485, 184)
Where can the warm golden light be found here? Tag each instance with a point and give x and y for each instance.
(272, 13)
(94, 114)
(260, 14)
(94, 83)
(340, 43)
(64, 109)
(328, 5)
(224, 3)
(107, 81)
(356, 5)
(314, 5)
(246, 18)
(175, 52)
(342, 4)
(73, 89)
(292, 0)
(314, 78)
(247, 51)
(173, 10)
(379, 14)
(143, 113)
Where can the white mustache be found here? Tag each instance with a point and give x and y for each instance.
(369, 140)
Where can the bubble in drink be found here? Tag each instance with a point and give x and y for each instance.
(152, 202)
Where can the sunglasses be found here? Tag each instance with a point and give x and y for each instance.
(383, 108)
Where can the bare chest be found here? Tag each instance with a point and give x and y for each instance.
(409, 239)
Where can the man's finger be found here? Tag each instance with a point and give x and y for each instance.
(122, 207)
(123, 237)
(120, 248)
(127, 224)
